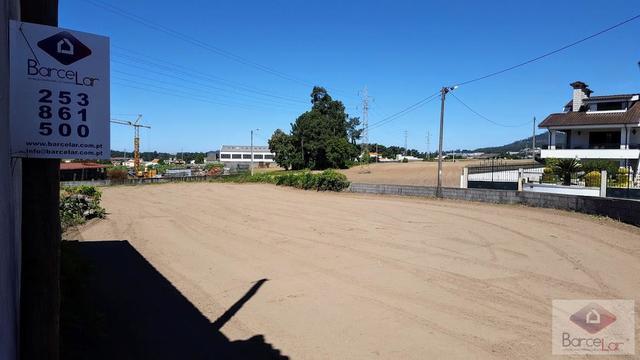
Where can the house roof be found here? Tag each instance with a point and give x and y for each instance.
(244, 148)
(81, 166)
(621, 97)
(574, 118)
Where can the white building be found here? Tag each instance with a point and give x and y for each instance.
(238, 157)
(596, 127)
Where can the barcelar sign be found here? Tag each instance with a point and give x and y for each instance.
(59, 94)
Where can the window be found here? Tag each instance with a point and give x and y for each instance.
(225, 156)
(258, 156)
(268, 157)
(236, 156)
(604, 140)
(246, 156)
(608, 106)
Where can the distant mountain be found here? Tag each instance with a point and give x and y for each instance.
(541, 140)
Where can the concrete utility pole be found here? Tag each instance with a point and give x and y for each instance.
(533, 139)
(443, 95)
(428, 145)
(40, 283)
(406, 135)
(252, 130)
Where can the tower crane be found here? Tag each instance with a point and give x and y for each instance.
(136, 139)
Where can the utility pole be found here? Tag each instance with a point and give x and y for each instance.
(428, 145)
(252, 130)
(40, 275)
(406, 134)
(443, 95)
(533, 140)
(365, 121)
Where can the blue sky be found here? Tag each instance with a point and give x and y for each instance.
(196, 99)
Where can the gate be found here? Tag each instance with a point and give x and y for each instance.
(502, 175)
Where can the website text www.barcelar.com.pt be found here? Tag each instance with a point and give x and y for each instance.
(66, 148)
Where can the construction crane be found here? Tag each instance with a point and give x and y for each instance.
(136, 140)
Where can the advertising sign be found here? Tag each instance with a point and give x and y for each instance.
(59, 93)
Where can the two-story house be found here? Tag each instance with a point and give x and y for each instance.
(596, 127)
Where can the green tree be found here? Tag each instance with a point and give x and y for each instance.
(340, 153)
(320, 138)
(199, 158)
(282, 145)
(353, 130)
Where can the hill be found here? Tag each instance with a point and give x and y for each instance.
(518, 145)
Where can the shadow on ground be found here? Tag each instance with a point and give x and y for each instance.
(116, 305)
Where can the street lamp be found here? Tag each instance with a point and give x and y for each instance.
(252, 130)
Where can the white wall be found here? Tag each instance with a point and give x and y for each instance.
(581, 140)
(9, 206)
(559, 189)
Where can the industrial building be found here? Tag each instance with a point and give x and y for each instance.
(238, 157)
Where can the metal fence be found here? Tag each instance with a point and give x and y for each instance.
(500, 174)
(140, 181)
(624, 183)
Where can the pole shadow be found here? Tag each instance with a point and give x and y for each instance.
(116, 305)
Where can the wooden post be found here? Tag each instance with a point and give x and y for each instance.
(40, 280)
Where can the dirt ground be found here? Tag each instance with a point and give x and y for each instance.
(414, 173)
(361, 277)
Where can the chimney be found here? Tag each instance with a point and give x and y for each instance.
(581, 91)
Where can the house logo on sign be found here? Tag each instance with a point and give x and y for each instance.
(65, 48)
(593, 318)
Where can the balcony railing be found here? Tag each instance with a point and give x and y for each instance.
(591, 153)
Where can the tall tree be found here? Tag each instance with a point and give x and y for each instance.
(320, 138)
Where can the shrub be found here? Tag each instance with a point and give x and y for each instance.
(598, 164)
(592, 179)
(548, 176)
(117, 173)
(405, 160)
(328, 180)
(308, 181)
(621, 178)
(331, 180)
(78, 204)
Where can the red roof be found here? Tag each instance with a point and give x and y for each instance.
(572, 118)
(81, 166)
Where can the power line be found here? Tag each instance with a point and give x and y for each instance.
(132, 78)
(202, 76)
(194, 41)
(191, 40)
(550, 52)
(404, 111)
(484, 117)
(188, 96)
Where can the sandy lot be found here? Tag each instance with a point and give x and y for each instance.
(413, 173)
(362, 277)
